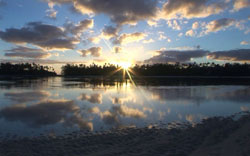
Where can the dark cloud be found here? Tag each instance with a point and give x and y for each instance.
(37, 33)
(47, 113)
(192, 8)
(110, 32)
(77, 29)
(173, 56)
(219, 24)
(120, 11)
(94, 51)
(39, 61)
(27, 96)
(110, 118)
(117, 50)
(231, 55)
(24, 49)
(35, 55)
(26, 52)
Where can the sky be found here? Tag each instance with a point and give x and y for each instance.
(57, 32)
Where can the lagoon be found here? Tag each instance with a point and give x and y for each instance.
(61, 105)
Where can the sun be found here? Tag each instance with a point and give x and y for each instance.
(125, 65)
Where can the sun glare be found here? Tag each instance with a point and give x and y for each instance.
(125, 65)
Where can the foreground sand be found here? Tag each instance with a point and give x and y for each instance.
(214, 136)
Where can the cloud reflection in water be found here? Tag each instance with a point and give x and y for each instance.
(47, 113)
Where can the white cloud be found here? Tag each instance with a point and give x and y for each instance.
(190, 33)
(148, 41)
(192, 8)
(240, 4)
(174, 24)
(195, 25)
(244, 43)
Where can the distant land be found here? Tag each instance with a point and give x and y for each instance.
(25, 69)
(177, 69)
(111, 70)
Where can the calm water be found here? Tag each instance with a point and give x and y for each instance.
(62, 105)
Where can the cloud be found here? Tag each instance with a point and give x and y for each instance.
(51, 13)
(195, 25)
(240, 4)
(27, 96)
(152, 23)
(173, 24)
(35, 55)
(94, 110)
(43, 35)
(172, 56)
(112, 116)
(94, 40)
(94, 51)
(110, 32)
(163, 37)
(40, 61)
(190, 117)
(148, 41)
(120, 11)
(47, 113)
(128, 112)
(244, 43)
(192, 8)
(117, 49)
(190, 33)
(219, 24)
(25, 52)
(244, 108)
(120, 100)
(78, 29)
(128, 38)
(180, 34)
(231, 55)
(94, 98)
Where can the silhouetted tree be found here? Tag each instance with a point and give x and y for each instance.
(26, 69)
(178, 69)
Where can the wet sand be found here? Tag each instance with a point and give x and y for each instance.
(216, 136)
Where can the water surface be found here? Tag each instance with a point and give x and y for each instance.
(59, 105)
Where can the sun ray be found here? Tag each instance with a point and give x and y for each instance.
(130, 77)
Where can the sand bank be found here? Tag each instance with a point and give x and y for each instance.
(214, 136)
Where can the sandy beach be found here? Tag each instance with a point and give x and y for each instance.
(217, 136)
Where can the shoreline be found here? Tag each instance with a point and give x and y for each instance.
(213, 136)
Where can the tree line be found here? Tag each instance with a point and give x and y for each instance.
(29, 69)
(177, 69)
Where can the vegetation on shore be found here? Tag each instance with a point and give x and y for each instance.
(26, 69)
(191, 69)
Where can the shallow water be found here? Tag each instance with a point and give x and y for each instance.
(59, 105)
